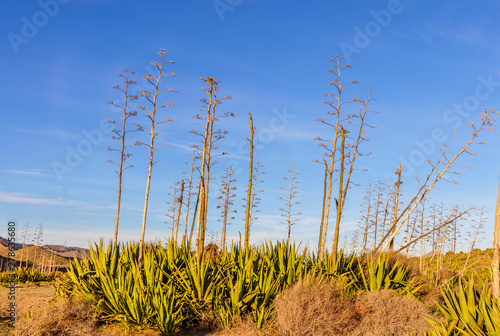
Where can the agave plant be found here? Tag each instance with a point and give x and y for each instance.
(122, 291)
(236, 293)
(173, 287)
(169, 315)
(251, 282)
(285, 259)
(379, 275)
(25, 274)
(268, 282)
(197, 280)
(468, 310)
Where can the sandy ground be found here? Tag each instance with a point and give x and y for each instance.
(26, 297)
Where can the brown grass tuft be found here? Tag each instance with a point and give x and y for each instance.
(384, 313)
(313, 307)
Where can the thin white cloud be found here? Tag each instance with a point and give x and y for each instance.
(95, 207)
(472, 33)
(236, 156)
(84, 207)
(184, 146)
(26, 199)
(35, 172)
(51, 131)
(467, 33)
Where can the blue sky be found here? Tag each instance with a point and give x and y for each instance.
(61, 58)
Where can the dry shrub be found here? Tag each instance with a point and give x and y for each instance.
(64, 317)
(384, 313)
(314, 307)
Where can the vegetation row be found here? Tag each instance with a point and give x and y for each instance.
(177, 289)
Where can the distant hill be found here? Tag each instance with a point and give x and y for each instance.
(67, 251)
(4, 246)
(61, 250)
(38, 256)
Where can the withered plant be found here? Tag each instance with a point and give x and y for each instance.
(210, 136)
(440, 170)
(342, 148)
(249, 206)
(292, 190)
(366, 216)
(37, 241)
(152, 107)
(192, 167)
(252, 205)
(395, 206)
(176, 207)
(227, 194)
(379, 193)
(26, 231)
(119, 133)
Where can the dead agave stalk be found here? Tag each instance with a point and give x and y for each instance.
(486, 120)
(290, 217)
(226, 198)
(248, 213)
(179, 201)
(209, 137)
(151, 108)
(344, 143)
(120, 133)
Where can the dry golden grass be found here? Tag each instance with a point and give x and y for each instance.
(316, 308)
(61, 317)
(27, 297)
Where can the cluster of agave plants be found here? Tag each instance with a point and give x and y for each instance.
(176, 288)
(468, 308)
(25, 274)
